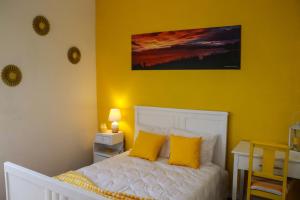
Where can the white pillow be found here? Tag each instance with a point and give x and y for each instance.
(164, 151)
(207, 147)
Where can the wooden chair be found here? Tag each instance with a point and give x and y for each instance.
(265, 183)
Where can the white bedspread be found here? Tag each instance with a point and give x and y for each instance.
(158, 180)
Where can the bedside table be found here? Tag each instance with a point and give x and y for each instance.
(107, 144)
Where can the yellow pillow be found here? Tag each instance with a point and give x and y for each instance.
(185, 151)
(147, 145)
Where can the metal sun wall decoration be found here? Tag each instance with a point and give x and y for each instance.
(204, 48)
(41, 25)
(11, 75)
(74, 55)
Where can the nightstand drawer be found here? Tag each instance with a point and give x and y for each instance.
(103, 139)
(109, 139)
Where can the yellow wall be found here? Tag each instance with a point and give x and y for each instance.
(263, 98)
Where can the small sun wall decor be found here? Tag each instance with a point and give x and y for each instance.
(74, 55)
(11, 75)
(41, 25)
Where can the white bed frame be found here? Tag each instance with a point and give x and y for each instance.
(25, 184)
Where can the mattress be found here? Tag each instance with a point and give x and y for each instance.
(158, 179)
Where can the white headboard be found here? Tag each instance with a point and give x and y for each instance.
(211, 122)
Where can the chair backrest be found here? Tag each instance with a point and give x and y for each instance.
(268, 162)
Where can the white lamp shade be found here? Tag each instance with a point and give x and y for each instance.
(114, 115)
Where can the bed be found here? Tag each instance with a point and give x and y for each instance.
(136, 176)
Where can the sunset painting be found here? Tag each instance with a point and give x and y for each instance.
(204, 48)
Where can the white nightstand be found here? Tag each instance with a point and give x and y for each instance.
(107, 145)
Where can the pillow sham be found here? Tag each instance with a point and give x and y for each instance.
(185, 151)
(207, 147)
(147, 145)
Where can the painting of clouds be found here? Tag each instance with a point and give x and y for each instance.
(204, 48)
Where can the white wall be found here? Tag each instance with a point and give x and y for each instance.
(48, 122)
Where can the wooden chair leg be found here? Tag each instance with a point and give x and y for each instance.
(248, 196)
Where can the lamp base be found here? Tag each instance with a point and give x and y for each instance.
(114, 127)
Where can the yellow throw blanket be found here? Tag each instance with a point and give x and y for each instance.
(79, 180)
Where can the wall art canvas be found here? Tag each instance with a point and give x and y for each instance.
(203, 48)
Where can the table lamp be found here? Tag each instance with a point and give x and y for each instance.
(114, 117)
